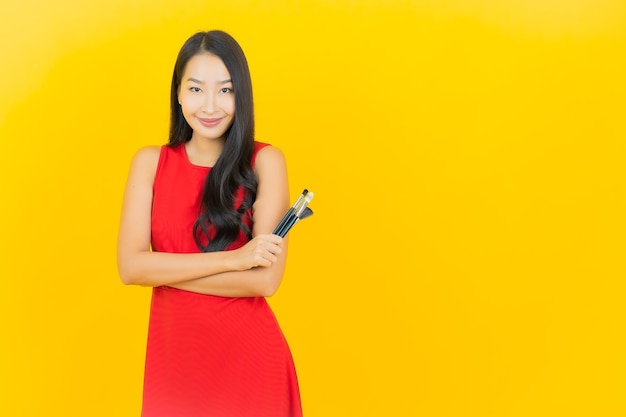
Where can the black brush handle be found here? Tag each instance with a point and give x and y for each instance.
(289, 213)
(288, 226)
(284, 221)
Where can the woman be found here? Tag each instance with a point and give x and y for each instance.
(196, 225)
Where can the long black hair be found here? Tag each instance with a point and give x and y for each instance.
(230, 187)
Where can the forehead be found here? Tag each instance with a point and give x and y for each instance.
(206, 67)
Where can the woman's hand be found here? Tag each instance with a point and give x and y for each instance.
(262, 250)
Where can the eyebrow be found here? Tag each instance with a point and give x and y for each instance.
(197, 81)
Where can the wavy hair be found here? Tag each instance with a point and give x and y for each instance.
(230, 187)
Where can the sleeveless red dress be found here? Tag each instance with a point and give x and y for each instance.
(206, 355)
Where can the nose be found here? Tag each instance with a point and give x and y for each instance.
(210, 103)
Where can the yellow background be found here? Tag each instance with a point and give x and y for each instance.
(466, 257)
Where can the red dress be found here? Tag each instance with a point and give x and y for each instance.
(206, 355)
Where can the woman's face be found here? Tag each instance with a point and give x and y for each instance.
(206, 96)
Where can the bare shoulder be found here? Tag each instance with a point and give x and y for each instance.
(147, 155)
(144, 164)
(146, 159)
(269, 157)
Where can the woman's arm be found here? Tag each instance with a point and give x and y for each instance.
(271, 204)
(138, 265)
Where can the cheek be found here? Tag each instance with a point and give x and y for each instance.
(189, 103)
(229, 104)
(188, 109)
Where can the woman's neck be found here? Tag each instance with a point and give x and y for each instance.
(204, 152)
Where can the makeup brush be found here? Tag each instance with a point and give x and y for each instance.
(294, 218)
(290, 212)
(306, 213)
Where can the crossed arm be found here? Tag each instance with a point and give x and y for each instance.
(256, 269)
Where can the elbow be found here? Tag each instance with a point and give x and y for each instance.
(267, 292)
(272, 279)
(126, 278)
(270, 286)
(126, 275)
(130, 270)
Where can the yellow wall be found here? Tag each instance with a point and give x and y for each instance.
(466, 257)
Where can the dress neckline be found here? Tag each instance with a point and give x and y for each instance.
(183, 150)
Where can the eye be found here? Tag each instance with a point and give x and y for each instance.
(194, 89)
(226, 90)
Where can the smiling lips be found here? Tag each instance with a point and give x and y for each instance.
(210, 122)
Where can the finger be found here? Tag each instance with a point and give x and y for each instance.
(274, 249)
(275, 239)
(270, 255)
(271, 247)
(265, 260)
(271, 258)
